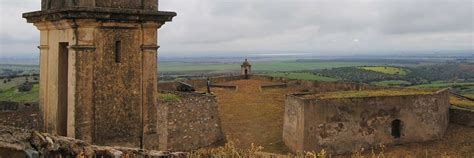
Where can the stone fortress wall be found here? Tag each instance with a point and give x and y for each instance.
(343, 125)
(314, 86)
(25, 115)
(193, 122)
(188, 123)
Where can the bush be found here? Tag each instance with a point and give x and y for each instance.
(25, 87)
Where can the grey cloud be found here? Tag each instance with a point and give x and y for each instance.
(427, 16)
(288, 25)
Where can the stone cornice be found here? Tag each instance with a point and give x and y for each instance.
(150, 47)
(101, 14)
(43, 47)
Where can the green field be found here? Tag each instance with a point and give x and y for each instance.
(391, 83)
(168, 97)
(444, 84)
(302, 76)
(386, 69)
(265, 66)
(12, 94)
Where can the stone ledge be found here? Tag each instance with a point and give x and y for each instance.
(106, 14)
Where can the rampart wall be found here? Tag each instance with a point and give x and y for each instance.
(188, 123)
(313, 86)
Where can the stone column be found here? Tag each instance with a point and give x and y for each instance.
(150, 84)
(43, 92)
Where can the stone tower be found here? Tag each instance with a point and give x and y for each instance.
(99, 70)
(246, 69)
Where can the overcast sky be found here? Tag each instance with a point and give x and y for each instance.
(286, 26)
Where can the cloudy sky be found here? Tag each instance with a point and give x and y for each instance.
(286, 26)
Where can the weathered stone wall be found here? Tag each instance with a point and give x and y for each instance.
(348, 124)
(105, 91)
(192, 122)
(23, 115)
(197, 83)
(462, 116)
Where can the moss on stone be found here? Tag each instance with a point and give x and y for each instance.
(461, 102)
(369, 93)
(168, 97)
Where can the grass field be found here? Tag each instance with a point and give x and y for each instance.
(12, 94)
(286, 65)
(391, 83)
(168, 97)
(386, 69)
(443, 84)
(302, 76)
(461, 102)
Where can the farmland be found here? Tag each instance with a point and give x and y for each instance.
(12, 94)
(259, 66)
(302, 76)
(386, 70)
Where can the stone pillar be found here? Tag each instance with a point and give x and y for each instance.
(150, 83)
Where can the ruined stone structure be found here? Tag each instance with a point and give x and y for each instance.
(246, 68)
(99, 70)
(341, 125)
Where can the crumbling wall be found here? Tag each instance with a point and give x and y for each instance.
(16, 114)
(189, 123)
(17, 142)
(346, 124)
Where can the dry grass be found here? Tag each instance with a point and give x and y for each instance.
(368, 93)
(461, 102)
(250, 116)
(254, 120)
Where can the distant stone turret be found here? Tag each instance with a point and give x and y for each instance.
(246, 69)
(98, 69)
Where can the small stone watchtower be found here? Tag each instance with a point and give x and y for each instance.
(246, 69)
(99, 70)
